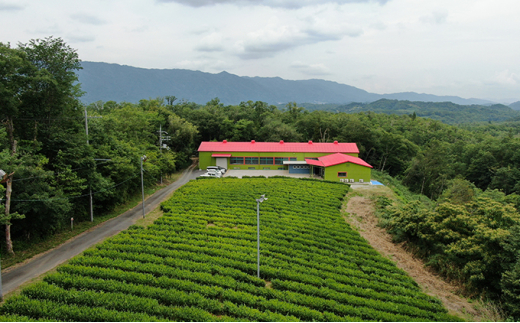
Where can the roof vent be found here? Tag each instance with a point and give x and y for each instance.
(281, 141)
(252, 141)
(224, 142)
(335, 142)
(310, 142)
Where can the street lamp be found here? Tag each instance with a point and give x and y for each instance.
(258, 201)
(143, 158)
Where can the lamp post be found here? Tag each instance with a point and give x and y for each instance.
(143, 158)
(258, 201)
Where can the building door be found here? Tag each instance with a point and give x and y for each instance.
(222, 162)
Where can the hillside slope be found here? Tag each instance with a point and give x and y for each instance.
(103, 81)
(198, 263)
(446, 112)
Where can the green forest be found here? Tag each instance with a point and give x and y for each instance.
(462, 212)
(447, 112)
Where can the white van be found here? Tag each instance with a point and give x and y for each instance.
(212, 173)
(219, 169)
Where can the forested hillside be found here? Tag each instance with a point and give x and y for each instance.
(103, 81)
(49, 166)
(446, 112)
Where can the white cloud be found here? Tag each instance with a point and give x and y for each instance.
(506, 77)
(276, 37)
(9, 6)
(87, 19)
(435, 18)
(211, 43)
(80, 38)
(311, 69)
(287, 4)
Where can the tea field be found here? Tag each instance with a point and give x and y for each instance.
(198, 262)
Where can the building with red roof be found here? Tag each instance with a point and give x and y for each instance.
(331, 161)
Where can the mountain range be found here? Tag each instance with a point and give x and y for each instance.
(114, 82)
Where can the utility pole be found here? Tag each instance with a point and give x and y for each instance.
(90, 185)
(161, 138)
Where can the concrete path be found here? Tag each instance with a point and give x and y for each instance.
(260, 172)
(40, 264)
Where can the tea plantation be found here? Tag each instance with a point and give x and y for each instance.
(199, 263)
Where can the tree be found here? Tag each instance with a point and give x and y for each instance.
(11, 163)
(52, 97)
(16, 73)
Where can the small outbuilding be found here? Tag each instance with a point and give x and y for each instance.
(330, 161)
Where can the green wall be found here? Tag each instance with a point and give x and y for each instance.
(206, 160)
(354, 171)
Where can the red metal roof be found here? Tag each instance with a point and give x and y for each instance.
(221, 155)
(282, 147)
(335, 159)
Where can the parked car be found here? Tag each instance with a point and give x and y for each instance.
(220, 169)
(212, 173)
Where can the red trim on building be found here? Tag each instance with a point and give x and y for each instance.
(335, 159)
(280, 147)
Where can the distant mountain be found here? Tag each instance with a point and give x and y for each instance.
(446, 112)
(105, 82)
(515, 105)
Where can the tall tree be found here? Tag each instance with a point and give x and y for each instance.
(16, 74)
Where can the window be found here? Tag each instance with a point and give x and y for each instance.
(292, 158)
(280, 160)
(266, 160)
(236, 160)
(342, 174)
(251, 160)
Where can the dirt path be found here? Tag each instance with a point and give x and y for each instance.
(360, 214)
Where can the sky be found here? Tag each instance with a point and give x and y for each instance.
(467, 48)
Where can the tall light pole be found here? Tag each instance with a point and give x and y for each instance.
(258, 201)
(143, 158)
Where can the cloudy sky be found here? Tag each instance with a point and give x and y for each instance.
(468, 48)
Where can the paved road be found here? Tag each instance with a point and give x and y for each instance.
(40, 264)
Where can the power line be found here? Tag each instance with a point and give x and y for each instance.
(78, 196)
(55, 173)
(64, 118)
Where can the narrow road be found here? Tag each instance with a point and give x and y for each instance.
(40, 264)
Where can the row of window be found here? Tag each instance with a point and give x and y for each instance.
(259, 160)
